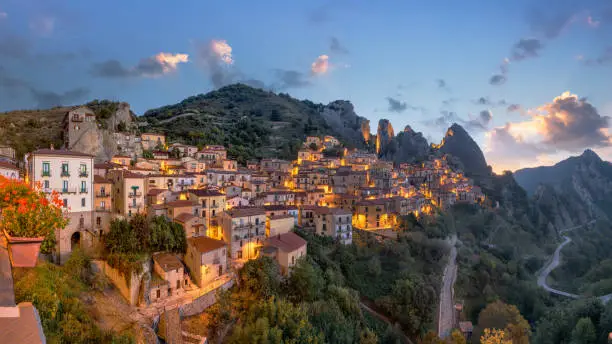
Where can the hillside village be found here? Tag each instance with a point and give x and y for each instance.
(229, 213)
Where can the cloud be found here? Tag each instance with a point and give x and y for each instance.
(514, 108)
(449, 101)
(289, 79)
(497, 79)
(526, 48)
(320, 66)
(160, 64)
(481, 122)
(592, 22)
(445, 120)
(42, 25)
(336, 47)
(441, 83)
(489, 102)
(222, 50)
(604, 58)
(396, 105)
(567, 124)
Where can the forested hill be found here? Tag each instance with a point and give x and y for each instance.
(254, 123)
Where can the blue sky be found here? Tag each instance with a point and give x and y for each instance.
(52, 52)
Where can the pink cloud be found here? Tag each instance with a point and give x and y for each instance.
(321, 65)
(222, 50)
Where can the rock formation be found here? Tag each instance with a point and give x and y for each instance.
(384, 136)
(458, 143)
(340, 115)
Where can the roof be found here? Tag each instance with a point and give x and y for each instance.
(205, 244)
(167, 261)
(205, 192)
(281, 216)
(61, 152)
(26, 328)
(287, 242)
(8, 165)
(332, 211)
(378, 201)
(245, 211)
(106, 165)
(181, 203)
(100, 180)
(279, 207)
(184, 217)
(155, 192)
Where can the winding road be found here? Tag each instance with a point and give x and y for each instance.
(446, 315)
(554, 263)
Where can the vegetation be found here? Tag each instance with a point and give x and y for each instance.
(27, 212)
(128, 243)
(55, 291)
(250, 122)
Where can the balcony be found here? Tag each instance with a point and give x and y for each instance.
(66, 190)
(65, 174)
(135, 206)
(83, 190)
(46, 173)
(83, 174)
(102, 195)
(134, 194)
(103, 209)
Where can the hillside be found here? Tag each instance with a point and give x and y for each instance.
(254, 123)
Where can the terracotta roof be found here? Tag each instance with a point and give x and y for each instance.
(106, 165)
(155, 192)
(281, 216)
(100, 180)
(279, 207)
(8, 165)
(205, 192)
(184, 217)
(245, 211)
(181, 203)
(332, 211)
(287, 242)
(61, 152)
(128, 174)
(167, 261)
(205, 244)
(25, 328)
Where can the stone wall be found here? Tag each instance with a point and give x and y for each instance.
(201, 303)
(131, 292)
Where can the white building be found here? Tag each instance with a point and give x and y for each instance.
(69, 173)
(9, 170)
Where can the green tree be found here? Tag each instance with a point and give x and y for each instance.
(498, 315)
(140, 226)
(260, 277)
(374, 267)
(147, 154)
(276, 321)
(584, 332)
(306, 282)
(367, 336)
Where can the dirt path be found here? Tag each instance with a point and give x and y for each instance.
(446, 316)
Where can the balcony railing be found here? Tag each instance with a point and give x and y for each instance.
(102, 194)
(83, 174)
(46, 173)
(66, 190)
(103, 209)
(65, 174)
(83, 190)
(135, 206)
(134, 194)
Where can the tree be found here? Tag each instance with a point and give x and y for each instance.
(374, 267)
(147, 154)
(495, 336)
(498, 315)
(457, 337)
(260, 277)
(367, 336)
(140, 225)
(276, 321)
(584, 332)
(306, 282)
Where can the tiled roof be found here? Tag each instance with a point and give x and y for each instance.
(181, 203)
(155, 192)
(100, 180)
(279, 207)
(61, 152)
(205, 244)
(287, 242)
(184, 217)
(167, 261)
(332, 211)
(8, 165)
(245, 211)
(281, 216)
(205, 192)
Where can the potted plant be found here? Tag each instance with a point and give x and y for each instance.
(28, 219)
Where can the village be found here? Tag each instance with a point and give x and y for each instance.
(230, 213)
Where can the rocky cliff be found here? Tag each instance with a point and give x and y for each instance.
(407, 146)
(341, 117)
(458, 143)
(384, 137)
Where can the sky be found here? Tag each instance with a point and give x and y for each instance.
(529, 80)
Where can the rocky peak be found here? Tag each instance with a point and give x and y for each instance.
(590, 156)
(341, 116)
(384, 135)
(458, 143)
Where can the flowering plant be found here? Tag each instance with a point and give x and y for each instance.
(28, 212)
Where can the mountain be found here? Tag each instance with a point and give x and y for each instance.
(407, 146)
(254, 123)
(572, 191)
(458, 143)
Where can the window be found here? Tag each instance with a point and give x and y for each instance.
(204, 203)
(257, 221)
(83, 170)
(292, 260)
(46, 169)
(82, 202)
(203, 213)
(46, 184)
(83, 186)
(65, 201)
(98, 221)
(158, 293)
(81, 222)
(65, 170)
(213, 213)
(65, 186)
(178, 284)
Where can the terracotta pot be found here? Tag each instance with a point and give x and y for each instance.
(23, 252)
